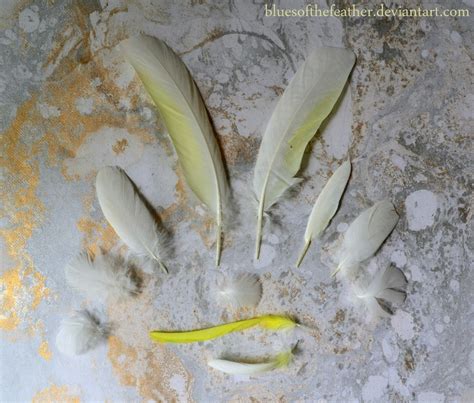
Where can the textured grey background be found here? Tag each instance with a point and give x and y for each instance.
(69, 105)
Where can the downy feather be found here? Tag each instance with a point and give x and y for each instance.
(366, 234)
(243, 368)
(325, 206)
(80, 333)
(306, 102)
(101, 276)
(244, 290)
(127, 214)
(179, 102)
(387, 288)
(271, 322)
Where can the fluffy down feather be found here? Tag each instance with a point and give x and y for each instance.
(80, 333)
(243, 290)
(387, 288)
(102, 276)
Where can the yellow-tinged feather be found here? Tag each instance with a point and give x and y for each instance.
(272, 322)
(179, 102)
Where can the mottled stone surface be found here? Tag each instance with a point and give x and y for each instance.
(70, 105)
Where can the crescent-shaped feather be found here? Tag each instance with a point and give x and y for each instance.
(167, 80)
(128, 215)
(366, 234)
(306, 102)
(325, 206)
(244, 368)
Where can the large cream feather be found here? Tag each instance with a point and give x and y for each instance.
(306, 102)
(128, 215)
(366, 234)
(179, 102)
(325, 206)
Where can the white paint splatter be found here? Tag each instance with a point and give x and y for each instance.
(402, 322)
(178, 383)
(28, 20)
(390, 348)
(48, 111)
(97, 151)
(398, 257)
(342, 227)
(399, 162)
(267, 254)
(374, 389)
(421, 207)
(84, 105)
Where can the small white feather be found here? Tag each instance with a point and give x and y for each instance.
(127, 214)
(242, 368)
(102, 276)
(80, 333)
(244, 290)
(325, 206)
(366, 234)
(387, 288)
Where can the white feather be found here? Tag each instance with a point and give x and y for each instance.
(80, 333)
(101, 276)
(242, 368)
(128, 215)
(325, 206)
(305, 104)
(244, 290)
(177, 97)
(366, 234)
(388, 286)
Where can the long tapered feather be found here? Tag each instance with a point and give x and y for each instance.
(387, 288)
(101, 276)
(244, 368)
(179, 102)
(128, 215)
(80, 333)
(244, 290)
(272, 322)
(325, 206)
(306, 102)
(366, 234)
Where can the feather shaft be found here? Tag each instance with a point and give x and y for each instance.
(272, 322)
(176, 96)
(305, 104)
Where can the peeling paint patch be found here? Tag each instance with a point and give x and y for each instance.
(421, 207)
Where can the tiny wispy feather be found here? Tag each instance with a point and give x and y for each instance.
(239, 291)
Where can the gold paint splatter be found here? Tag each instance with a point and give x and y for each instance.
(44, 351)
(55, 393)
(120, 146)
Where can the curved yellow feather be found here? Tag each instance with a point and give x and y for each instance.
(273, 322)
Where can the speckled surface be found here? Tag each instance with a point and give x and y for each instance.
(70, 104)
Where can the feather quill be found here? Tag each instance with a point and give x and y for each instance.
(179, 102)
(243, 368)
(101, 276)
(366, 234)
(80, 333)
(244, 290)
(128, 215)
(325, 206)
(387, 288)
(271, 322)
(306, 102)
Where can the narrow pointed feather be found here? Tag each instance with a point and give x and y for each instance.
(306, 102)
(387, 288)
(101, 276)
(325, 206)
(128, 215)
(80, 333)
(272, 322)
(167, 80)
(244, 290)
(243, 368)
(366, 234)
